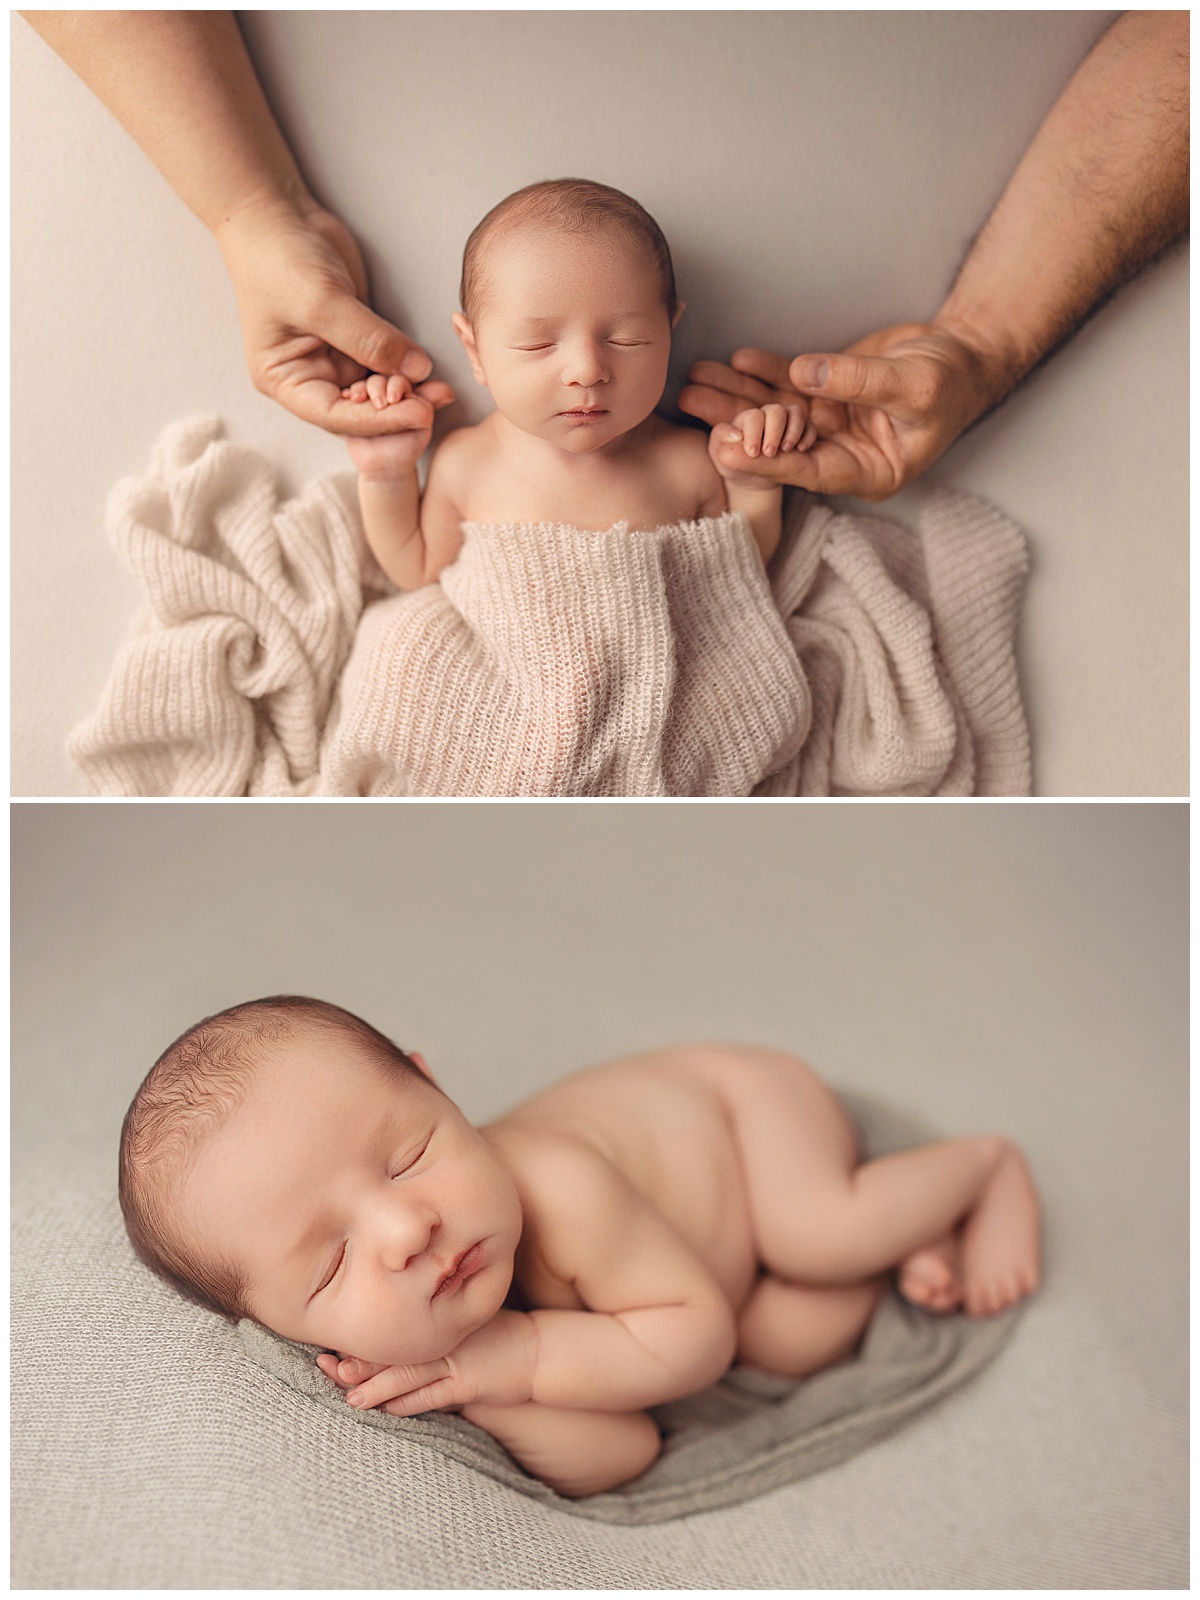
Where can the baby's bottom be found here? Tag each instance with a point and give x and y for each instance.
(575, 1452)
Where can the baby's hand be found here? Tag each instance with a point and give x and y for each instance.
(494, 1365)
(740, 449)
(392, 455)
(380, 390)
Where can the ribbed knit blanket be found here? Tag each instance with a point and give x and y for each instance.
(552, 660)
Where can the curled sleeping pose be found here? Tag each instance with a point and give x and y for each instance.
(612, 1243)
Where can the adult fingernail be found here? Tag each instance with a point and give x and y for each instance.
(416, 364)
(814, 374)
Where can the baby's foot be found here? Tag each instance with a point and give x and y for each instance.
(379, 390)
(1000, 1244)
(930, 1277)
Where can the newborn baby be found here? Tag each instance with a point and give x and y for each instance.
(612, 1243)
(568, 302)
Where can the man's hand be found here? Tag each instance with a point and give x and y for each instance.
(492, 1366)
(883, 410)
(301, 290)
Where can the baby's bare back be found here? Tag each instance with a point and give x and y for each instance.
(668, 1122)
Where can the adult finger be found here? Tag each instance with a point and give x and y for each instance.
(354, 329)
(437, 392)
(710, 405)
(883, 381)
(762, 364)
(354, 420)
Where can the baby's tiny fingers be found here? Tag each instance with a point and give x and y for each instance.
(377, 387)
(797, 421)
(357, 390)
(775, 421)
(751, 424)
(397, 389)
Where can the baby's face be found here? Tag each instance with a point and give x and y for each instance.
(347, 1197)
(572, 338)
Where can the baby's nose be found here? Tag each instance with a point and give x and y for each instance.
(585, 364)
(403, 1235)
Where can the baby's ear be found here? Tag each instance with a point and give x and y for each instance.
(466, 333)
(415, 1055)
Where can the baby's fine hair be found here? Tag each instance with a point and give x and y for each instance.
(576, 205)
(188, 1093)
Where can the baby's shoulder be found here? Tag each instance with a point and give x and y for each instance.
(459, 453)
(682, 454)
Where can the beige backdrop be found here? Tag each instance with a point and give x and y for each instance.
(818, 174)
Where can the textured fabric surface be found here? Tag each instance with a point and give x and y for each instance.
(148, 1450)
(746, 1435)
(551, 660)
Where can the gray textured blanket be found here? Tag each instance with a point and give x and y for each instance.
(747, 1434)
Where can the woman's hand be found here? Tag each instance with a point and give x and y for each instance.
(301, 289)
(884, 410)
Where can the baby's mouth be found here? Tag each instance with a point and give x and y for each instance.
(464, 1265)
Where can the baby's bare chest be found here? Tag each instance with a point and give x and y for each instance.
(650, 493)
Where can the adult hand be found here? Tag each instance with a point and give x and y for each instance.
(301, 290)
(884, 410)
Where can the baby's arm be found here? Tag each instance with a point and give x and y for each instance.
(412, 536)
(761, 430)
(575, 1452)
(656, 1327)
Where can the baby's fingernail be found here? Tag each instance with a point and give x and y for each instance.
(348, 1369)
(355, 1400)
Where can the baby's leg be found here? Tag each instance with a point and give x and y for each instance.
(575, 1452)
(822, 1218)
(795, 1329)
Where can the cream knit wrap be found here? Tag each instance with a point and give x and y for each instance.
(551, 660)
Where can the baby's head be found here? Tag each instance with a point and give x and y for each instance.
(286, 1162)
(568, 302)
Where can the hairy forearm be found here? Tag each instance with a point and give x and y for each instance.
(627, 1360)
(391, 513)
(183, 86)
(1102, 189)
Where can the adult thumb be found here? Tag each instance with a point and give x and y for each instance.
(854, 380)
(354, 329)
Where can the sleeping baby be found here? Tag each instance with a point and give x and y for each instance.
(615, 1242)
(568, 302)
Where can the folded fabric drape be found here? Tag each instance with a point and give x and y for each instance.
(274, 659)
